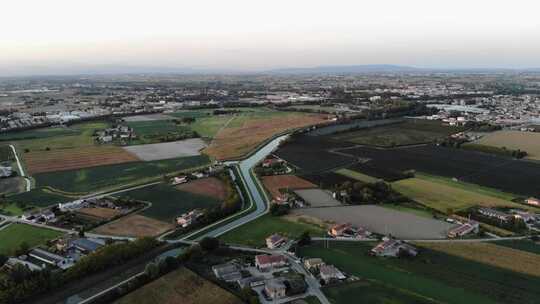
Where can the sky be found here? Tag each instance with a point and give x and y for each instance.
(258, 35)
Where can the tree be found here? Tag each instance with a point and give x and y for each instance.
(3, 259)
(23, 249)
(305, 239)
(151, 270)
(209, 244)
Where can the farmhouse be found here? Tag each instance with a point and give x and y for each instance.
(51, 258)
(180, 180)
(313, 263)
(275, 288)
(228, 272)
(64, 207)
(393, 248)
(339, 229)
(5, 171)
(492, 213)
(330, 273)
(266, 262)
(189, 218)
(275, 240)
(533, 201)
(461, 230)
(85, 245)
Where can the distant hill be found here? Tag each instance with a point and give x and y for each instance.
(347, 69)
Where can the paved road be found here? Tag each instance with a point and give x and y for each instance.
(21, 170)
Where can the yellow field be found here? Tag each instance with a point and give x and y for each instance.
(525, 141)
(442, 196)
(491, 254)
(180, 286)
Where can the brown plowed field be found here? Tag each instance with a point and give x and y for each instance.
(76, 158)
(134, 225)
(234, 142)
(98, 212)
(210, 186)
(274, 183)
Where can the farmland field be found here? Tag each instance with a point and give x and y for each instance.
(432, 274)
(406, 133)
(148, 117)
(245, 132)
(328, 180)
(381, 220)
(76, 158)
(10, 209)
(159, 151)
(254, 233)
(92, 179)
(12, 185)
(514, 140)
(168, 202)
(98, 212)
(210, 186)
(16, 234)
(503, 173)
(441, 196)
(207, 127)
(524, 245)
(357, 175)
(274, 183)
(134, 225)
(38, 133)
(39, 197)
(180, 286)
(491, 254)
(150, 132)
(370, 292)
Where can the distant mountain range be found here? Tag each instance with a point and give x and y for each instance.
(65, 70)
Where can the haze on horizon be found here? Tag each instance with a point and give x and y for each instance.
(57, 35)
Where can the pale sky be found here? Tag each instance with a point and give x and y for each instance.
(252, 34)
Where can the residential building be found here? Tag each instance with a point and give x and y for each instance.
(275, 240)
(463, 229)
(533, 201)
(275, 289)
(189, 218)
(228, 272)
(393, 248)
(339, 229)
(267, 262)
(330, 273)
(180, 180)
(313, 263)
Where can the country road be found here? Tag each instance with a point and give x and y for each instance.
(21, 170)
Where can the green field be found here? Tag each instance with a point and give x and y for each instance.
(435, 275)
(443, 196)
(254, 233)
(16, 234)
(399, 134)
(155, 131)
(82, 136)
(95, 178)
(39, 197)
(523, 245)
(12, 185)
(168, 202)
(10, 209)
(38, 133)
(208, 127)
(357, 176)
(370, 292)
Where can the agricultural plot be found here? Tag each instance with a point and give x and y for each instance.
(76, 158)
(16, 234)
(409, 132)
(210, 186)
(523, 245)
(433, 274)
(381, 220)
(39, 197)
(181, 148)
(12, 185)
(248, 130)
(357, 176)
(150, 132)
(514, 140)
(38, 133)
(169, 202)
(443, 197)
(503, 173)
(317, 198)
(148, 117)
(370, 292)
(10, 209)
(379, 172)
(207, 127)
(180, 286)
(99, 213)
(491, 254)
(274, 184)
(328, 180)
(255, 232)
(92, 179)
(134, 226)
(310, 154)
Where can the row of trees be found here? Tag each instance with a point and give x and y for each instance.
(368, 193)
